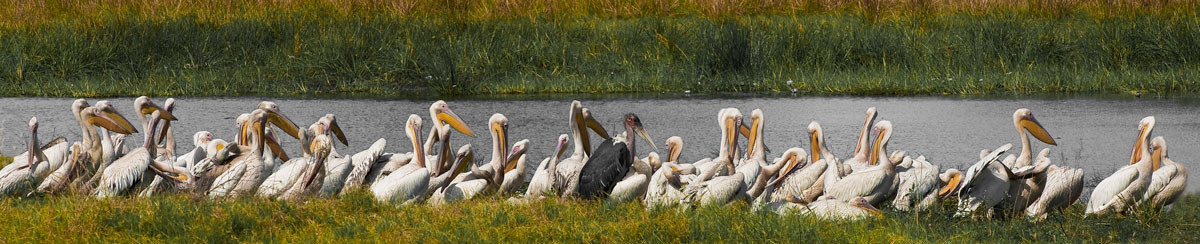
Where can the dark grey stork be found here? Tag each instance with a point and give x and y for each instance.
(610, 161)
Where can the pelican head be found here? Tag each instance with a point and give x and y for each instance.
(276, 117)
(672, 175)
(730, 119)
(794, 158)
(219, 150)
(883, 133)
(862, 203)
(34, 155)
(463, 157)
(1025, 121)
(328, 124)
(952, 177)
(498, 125)
(755, 131)
(1158, 151)
(592, 124)
(320, 148)
(145, 106)
(202, 138)
(108, 109)
(674, 146)
(412, 128)
(862, 137)
(1144, 128)
(581, 121)
(518, 150)
(817, 137)
(442, 115)
(241, 124)
(561, 145)
(77, 107)
(96, 117)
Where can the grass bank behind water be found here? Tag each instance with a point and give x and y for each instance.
(317, 50)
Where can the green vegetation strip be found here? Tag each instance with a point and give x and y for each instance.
(314, 51)
(357, 216)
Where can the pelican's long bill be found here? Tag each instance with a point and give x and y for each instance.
(751, 145)
(873, 158)
(107, 121)
(413, 127)
(950, 185)
(518, 150)
(337, 131)
(816, 144)
(731, 135)
(591, 123)
(1144, 129)
(273, 142)
(1031, 124)
(149, 107)
(283, 123)
(452, 119)
(119, 121)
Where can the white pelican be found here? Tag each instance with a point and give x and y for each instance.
(832, 209)
(1121, 191)
(666, 187)
(1063, 187)
(442, 117)
(728, 119)
(799, 178)
(711, 190)
(543, 182)
(860, 158)
(874, 183)
(985, 184)
(1023, 192)
(1168, 181)
(28, 169)
(87, 154)
(361, 168)
(750, 166)
(284, 178)
(408, 183)
(312, 175)
(489, 176)
(514, 176)
(247, 171)
(636, 182)
(185, 161)
(568, 169)
(109, 150)
(808, 183)
(439, 182)
(138, 167)
(216, 162)
(917, 184)
(611, 161)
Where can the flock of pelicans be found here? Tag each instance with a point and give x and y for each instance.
(807, 182)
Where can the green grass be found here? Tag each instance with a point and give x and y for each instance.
(358, 217)
(320, 48)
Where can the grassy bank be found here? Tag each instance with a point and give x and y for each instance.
(358, 217)
(383, 48)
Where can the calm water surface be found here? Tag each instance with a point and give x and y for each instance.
(1093, 134)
